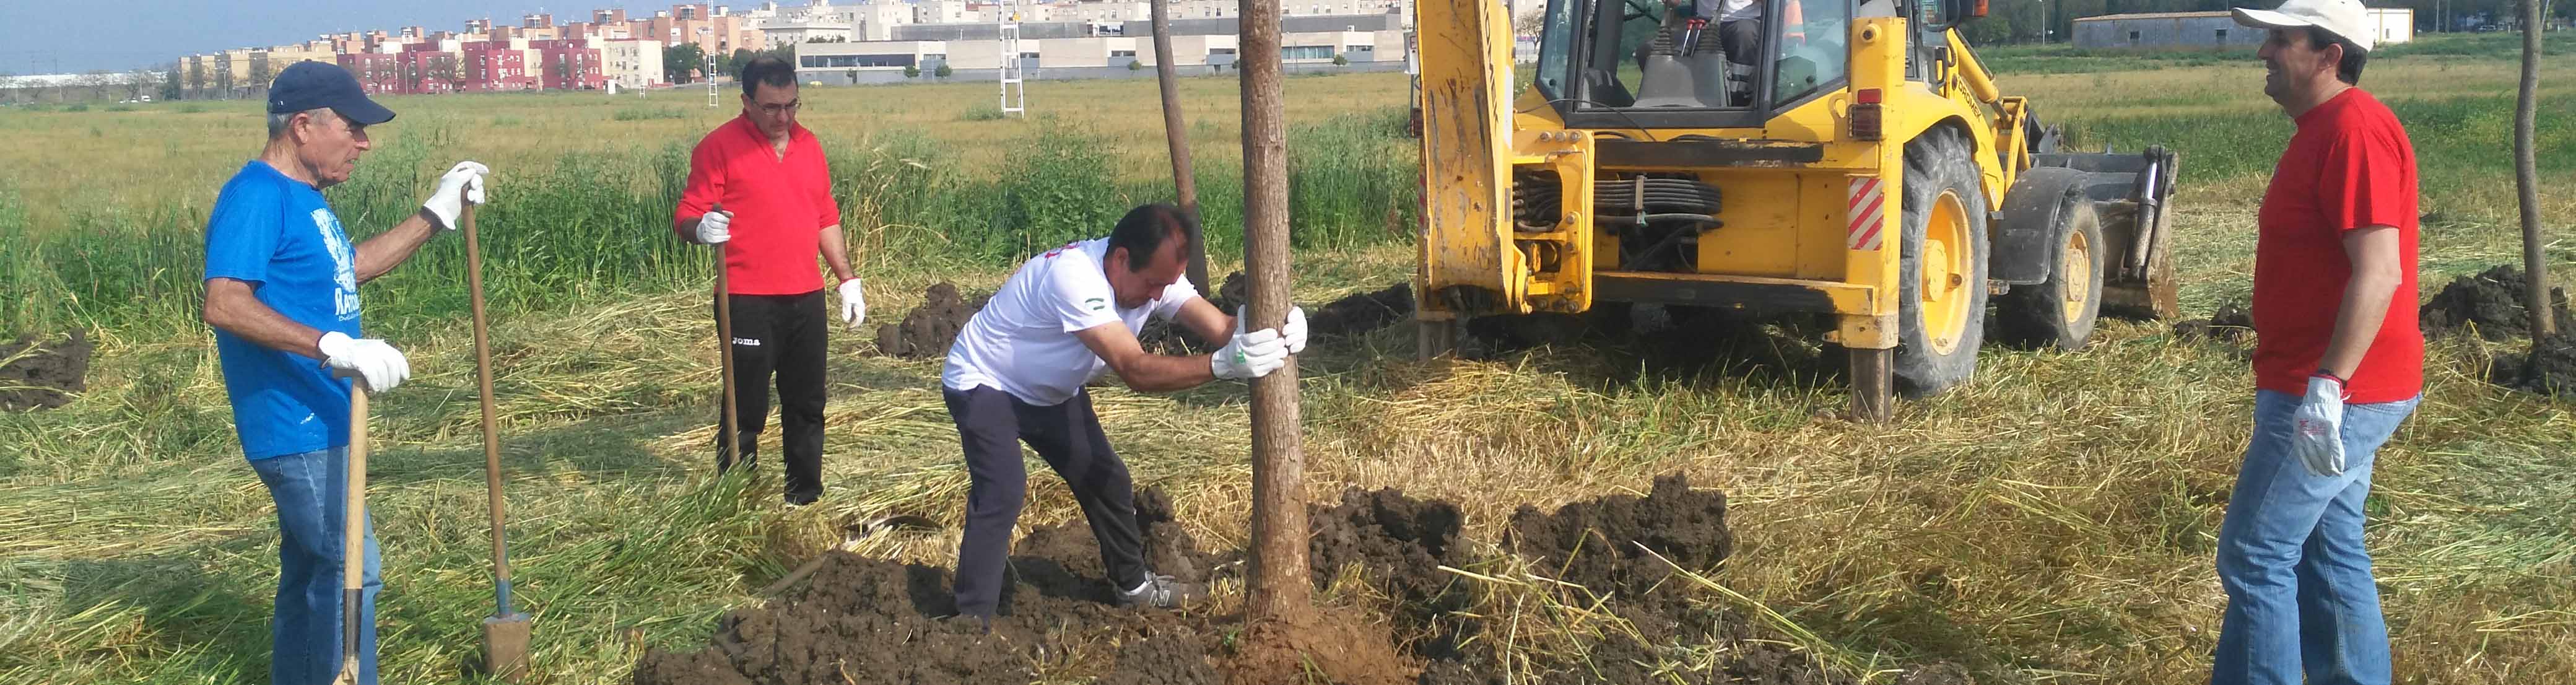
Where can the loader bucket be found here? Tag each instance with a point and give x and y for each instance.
(2133, 195)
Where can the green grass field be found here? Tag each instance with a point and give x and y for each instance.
(2050, 522)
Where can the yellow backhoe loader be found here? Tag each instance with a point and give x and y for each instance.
(1835, 157)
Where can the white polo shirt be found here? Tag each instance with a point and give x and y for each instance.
(1022, 341)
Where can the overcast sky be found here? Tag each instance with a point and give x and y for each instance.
(55, 36)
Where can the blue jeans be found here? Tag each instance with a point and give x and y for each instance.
(308, 490)
(2300, 598)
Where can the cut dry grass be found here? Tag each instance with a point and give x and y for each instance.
(2051, 521)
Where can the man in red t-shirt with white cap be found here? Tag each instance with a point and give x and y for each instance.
(2338, 363)
(760, 190)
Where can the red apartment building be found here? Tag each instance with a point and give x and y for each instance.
(379, 73)
(567, 65)
(493, 67)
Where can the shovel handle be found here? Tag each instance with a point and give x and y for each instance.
(491, 427)
(731, 430)
(353, 536)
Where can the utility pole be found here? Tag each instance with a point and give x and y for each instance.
(1183, 183)
(2526, 179)
(1280, 592)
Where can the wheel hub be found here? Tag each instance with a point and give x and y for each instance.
(2076, 274)
(1945, 270)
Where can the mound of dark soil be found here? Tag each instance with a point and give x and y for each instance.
(1165, 337)
(2489, 305)
(1400, 543)
(1362, 313)
(926, 331)
(2233, 323)
(1605, 544)
(1672, 342)
(1357, 314)
(864, 620)
(2550, 369)
(35, 374)
(1235, 291)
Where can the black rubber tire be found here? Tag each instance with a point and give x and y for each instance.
(2032, 316)
(1936, 162)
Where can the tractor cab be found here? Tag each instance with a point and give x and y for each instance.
(1648, 64)
(1693, 63)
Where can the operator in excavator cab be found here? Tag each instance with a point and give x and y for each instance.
(1692, 32)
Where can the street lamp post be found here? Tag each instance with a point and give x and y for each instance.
(2043, 22)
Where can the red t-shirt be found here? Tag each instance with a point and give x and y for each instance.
(780, 205)
(2349, 166)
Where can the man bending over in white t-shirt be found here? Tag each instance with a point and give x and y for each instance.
(1016, 373)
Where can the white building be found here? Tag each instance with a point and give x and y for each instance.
(631, 64)
(876, 20)
(1370, 42)
(2165, 30)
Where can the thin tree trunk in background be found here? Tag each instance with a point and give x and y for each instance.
(2526, 177)
(1184, 185)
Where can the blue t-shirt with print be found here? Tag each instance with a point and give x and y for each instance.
(276, 233)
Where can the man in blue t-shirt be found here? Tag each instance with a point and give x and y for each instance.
(282, 294)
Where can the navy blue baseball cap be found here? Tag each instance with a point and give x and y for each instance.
(310, 85)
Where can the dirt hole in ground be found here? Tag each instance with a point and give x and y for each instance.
(926, 331)
(40, 373)
(865, 620)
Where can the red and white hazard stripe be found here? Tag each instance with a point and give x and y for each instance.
(1868, 211)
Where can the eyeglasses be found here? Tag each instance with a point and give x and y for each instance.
(775, 110)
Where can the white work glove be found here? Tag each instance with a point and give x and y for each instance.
(1293, 334)
(854, 303)
(454, 192)
(715, 227)
(2316, 433)
(379, 365)
(1249, 355)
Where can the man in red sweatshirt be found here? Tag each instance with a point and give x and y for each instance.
(759, 190)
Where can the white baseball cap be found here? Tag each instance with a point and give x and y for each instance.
(2346, 18)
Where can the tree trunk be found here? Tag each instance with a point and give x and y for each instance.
(1185, 185)
(2526, 177)
(1280, 591)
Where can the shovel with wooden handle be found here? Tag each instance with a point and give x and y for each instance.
(505, 632)
(353, 532)
(732, 428)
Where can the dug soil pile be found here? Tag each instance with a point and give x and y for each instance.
(1353, 315)
(862, 620)
(1164, 337)
(926, 331)
(1362, 313)
(37, 374)
(2550, 369)
(2488, 305)
(2233, 323)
